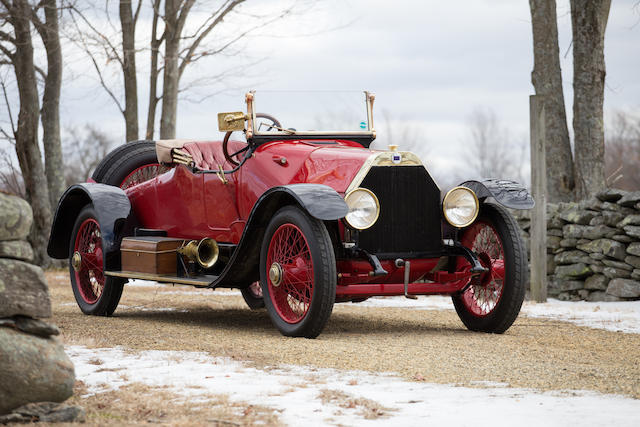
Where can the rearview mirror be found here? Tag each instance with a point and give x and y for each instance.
(231, 121)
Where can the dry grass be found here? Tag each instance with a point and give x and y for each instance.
(367, 408)
(430, 346)
(139, 404)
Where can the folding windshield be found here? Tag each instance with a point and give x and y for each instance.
(312, 113)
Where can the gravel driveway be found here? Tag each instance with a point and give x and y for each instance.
(431, 346)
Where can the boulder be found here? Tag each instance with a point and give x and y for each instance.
(624, 288)
(596, 282)
(577, 216)
(568, 243)
(583, 294)
(629, 220)
(610, 195)
(599, 296)
(623, 238)
(598, 232)
(633, 261)
(617, 264)
(15, 218)
(599, 220)
(554, 232)
(597, 268)
(561, 285)
(554, 222)
(630, 199)
(635, 274)
(32, 369)
(573, 231)
(616, 273)
(634, 249)
(572, 257)
(632, 230)
(45, 412)
(597, 256)
(553, 243)
(608, 247)
(612, 218)
(16, 249)
(30, 326)
(23, 290)
(575, 271)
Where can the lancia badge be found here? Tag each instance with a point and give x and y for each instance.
(396, 158)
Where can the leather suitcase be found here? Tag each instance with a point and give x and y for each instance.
(150, 254)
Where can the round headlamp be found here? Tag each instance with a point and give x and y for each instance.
(460, 206)
(364, 208)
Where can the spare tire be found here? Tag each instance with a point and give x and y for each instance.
(129, 164)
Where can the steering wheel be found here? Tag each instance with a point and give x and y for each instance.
(225, 143)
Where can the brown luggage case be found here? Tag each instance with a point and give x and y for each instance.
(150, 254)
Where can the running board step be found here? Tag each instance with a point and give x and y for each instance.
(198, 281)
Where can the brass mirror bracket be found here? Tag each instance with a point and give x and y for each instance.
(370, 98)
(250, 114)
(231, 121)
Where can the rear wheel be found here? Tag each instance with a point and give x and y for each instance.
(95, 293)
(129, 164)
(298, 273)
(492, 302)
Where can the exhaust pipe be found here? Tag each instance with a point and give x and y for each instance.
(205, 252)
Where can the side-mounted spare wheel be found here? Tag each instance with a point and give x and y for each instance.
(298, 273)
(129, 164)
(95, 293)
(492, 302)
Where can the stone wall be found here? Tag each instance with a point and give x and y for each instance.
(33, 365)
(593, 247)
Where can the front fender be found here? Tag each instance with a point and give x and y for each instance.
(112, 207)
(508, 193)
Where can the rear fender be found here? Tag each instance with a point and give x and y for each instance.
(319, 201)
(509, 194)
(114, 213)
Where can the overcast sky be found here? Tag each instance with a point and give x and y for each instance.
(430, 64)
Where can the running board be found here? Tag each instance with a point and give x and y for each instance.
(198, 281)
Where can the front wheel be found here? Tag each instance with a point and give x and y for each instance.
(492, 301)
(298, 273)
(95, 293)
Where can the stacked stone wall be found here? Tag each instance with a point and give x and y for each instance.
(593, 247)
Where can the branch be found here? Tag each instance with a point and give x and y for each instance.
(7, 37)
(6, 101)
(196, 43)
(137, 13)
(10, 55)
(105, 40)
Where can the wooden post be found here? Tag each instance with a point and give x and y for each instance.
(539, 188)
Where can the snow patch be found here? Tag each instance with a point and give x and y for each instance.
(297, 392)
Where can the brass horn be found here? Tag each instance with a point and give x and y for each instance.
(205, 252)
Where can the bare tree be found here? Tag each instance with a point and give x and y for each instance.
(18, 52)
(486, 150)
(622, 153)
(128, 21)
(83, 150)
(589, 22)
(547, 80)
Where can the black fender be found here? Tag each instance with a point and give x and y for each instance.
(509, 194)
(319, 201)
(113, 209)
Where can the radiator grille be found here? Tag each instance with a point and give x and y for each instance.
(410, 219)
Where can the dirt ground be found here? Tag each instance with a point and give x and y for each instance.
(431, 346)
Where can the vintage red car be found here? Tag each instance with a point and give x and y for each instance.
(297, 220)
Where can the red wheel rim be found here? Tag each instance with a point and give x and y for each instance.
(483, 296)
(89, 276)
(142, 174)
(291, 295)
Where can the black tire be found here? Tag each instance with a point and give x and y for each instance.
(106, 302)
(253, 300)
(122, 161)
(507, 308)
(316, 246)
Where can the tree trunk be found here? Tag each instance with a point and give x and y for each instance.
(129, 70)
(589, 21)
(54, 169)
(27, 148)
(153, 72)
(171, 76)
(547, 81)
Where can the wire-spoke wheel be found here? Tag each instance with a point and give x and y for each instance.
(492, 301)
(94, 293)
(298, 273)
(253, 296)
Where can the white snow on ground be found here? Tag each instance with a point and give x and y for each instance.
(613, 316)
(295, 392)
